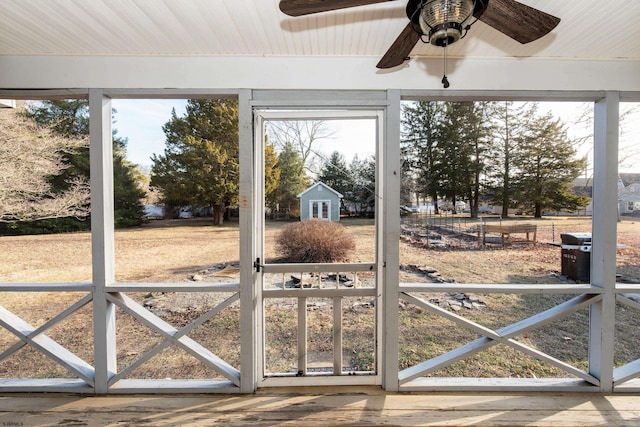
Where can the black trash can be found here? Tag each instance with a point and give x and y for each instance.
(576, 256)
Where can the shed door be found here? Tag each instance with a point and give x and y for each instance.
(320, 209)
(320, 317)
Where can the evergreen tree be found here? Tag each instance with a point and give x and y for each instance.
(293, 179)
(452, 167)
(335, 173)
(458, 158)
(420, 150)
(200, 167)
(70, 118)
(407, 185)
(271, 176)
(480, 129)
(127, 188)
(449, 148)
(547, 166)
(363, 195)
(510, 124)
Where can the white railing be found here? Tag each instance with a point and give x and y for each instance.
(118, 382)
(627, 374)
(414, 378)
(326, 288)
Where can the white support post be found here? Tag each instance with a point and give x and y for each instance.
(390, 240)
(337, 335)
(302, 336)
(604, 236)
(249, 297)
(102, 238)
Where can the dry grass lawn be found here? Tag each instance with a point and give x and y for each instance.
(173, 251)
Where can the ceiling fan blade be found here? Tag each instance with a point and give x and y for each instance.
(518, 21)
(307, 7)
(400, 49)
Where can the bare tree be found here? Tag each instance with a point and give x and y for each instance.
(628, 149)
(29, 156)
(303, 136)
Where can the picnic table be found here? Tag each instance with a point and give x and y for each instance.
(505, 231)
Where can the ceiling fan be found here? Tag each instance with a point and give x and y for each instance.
(442, 22)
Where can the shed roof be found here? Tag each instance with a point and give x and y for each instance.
(322, 184)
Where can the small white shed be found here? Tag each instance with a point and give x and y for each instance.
(321, 202)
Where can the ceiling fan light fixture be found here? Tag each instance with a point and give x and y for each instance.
(443, 20)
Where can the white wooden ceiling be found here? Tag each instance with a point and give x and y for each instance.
(590, 29)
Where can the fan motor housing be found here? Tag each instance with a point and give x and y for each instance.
(443, 34)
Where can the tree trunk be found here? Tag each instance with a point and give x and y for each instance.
(218, 214)
(474, 197)
(505, 191)
(537, 211)
(505, 208)
(473, 204)
(505, 183)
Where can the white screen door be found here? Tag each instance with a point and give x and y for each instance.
(320, 316)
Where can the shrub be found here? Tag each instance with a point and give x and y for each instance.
(314, 240)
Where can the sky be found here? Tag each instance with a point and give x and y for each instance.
(141, 121)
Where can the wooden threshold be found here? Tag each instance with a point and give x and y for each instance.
(335, 406)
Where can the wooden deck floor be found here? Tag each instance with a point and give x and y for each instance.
(322, 407)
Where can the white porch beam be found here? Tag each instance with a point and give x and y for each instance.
(102, 237)
(336, 73)
(604, 236)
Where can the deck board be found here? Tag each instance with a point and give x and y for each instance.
(323, 406)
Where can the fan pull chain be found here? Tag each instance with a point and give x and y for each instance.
(445, 81)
